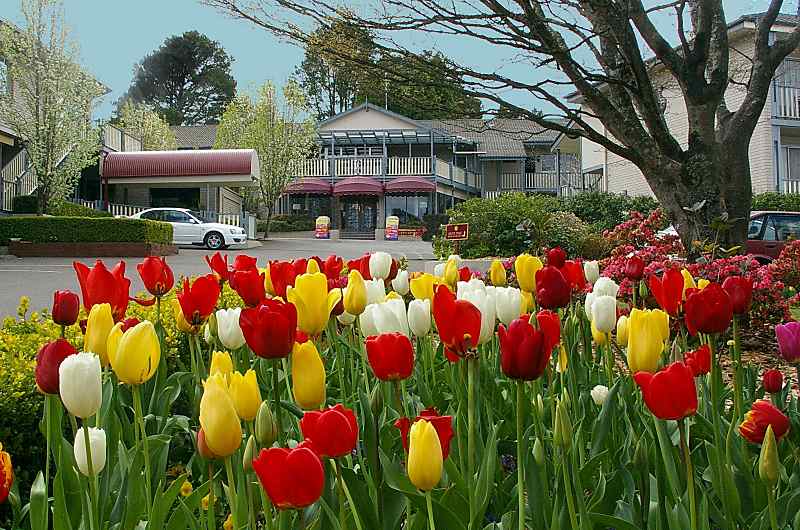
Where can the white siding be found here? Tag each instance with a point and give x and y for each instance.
(366, 119)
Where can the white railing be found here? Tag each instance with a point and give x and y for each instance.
(16, 166)
(442, 168)
(8, 193)
(492, 194)
(124, 210)
(130, 143)
(791, 186)
(415, 165)
(314, 167)
(787, 102)
(357, 167)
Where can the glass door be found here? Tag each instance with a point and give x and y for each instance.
(359, 214)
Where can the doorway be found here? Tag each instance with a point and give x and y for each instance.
(359, 215)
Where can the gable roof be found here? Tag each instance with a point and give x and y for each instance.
(195, 136)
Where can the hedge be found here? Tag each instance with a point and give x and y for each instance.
(788, 202)
(25, 204)
(71, 209)
(288, 223)
(83, 230)
(604, 210)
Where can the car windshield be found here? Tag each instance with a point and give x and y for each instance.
(203, 216)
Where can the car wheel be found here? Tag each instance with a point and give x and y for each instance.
(214, 241)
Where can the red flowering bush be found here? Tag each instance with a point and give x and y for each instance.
(639, 231)
(787, 267)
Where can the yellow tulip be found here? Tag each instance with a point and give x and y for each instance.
(688, 281)
(598, 336)
(245, 394)
(312, 267)
(355, 296)
(563, 360)
(392, 295)
(422, 286)
(137, 354)
(527, 302)
(313, 302)
(424, 456)
(221, 363)
(268, 281)
(98, 327)
(112, 343)
(647, 331)
(525, 267)
(308, 376)
(218, 418)
(451, 273)
(622, 331)
(497, 273)
(702, 283)
(180, 321)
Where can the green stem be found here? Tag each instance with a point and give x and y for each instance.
(211, 500)
(520, 457)
(431, 523)
(47, 451)
(231, 492)
(683, 427)
(346, 491)
(773, 515)
(573, 517)
(94, 512)
(276, 396)
(251, 514)
(471, 365)
(398, 396)
(137, 409)
(737, 375)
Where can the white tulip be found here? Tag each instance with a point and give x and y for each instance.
(207, 335)
(456, 258)
(419, 317)
(376, 291)
(367, 322)
(605, 286)
(587, 305)
(591, 270)
(97, 443)
(599, 394)
(474, 284)
(380, 264)
(346, 318)
(508, 303)
(604, 313)
(228, 329)
(438, 270)
(400, 283)
(80, 384)
(475, 291)
(390, 317)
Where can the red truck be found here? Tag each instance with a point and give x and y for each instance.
(769, 232)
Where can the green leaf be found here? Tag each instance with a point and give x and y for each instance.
(612, 522)
(605, 419)
(486, 477)
(163, 503)
(39, 505)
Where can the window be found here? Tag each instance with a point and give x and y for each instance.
(174, 216)
(154, 215)
(546, 163)
(754, 230)
(789, 73)
(408, 208)
(787, 227)
(5, 82)
(792, 160)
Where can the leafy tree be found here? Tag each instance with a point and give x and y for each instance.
(619, 63)
(50, 101)
(187, 80)
(144, 123)
(280, 132)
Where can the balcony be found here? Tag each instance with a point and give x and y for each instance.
(396, 166)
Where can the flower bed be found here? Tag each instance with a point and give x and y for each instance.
(556, 393)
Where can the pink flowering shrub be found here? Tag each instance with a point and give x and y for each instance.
(787, 267)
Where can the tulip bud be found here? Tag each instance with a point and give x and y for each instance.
(80, 385)
(208, 335)
(266, 429)
(245, 394)
(604, 313)
(97, 445)
(622, 331)
(599, 394)
(48, 361)
(562, 430)
(540, 404)
(497, 273)
(380, 263)
(773, 381)
(308, 376)
(400, 283)
(345, 318)
(137, 354)
(228, 329)
(538, 452)
(419, 317)
(249, 454)
(768, 466)
(641, 454)
(66, 306)
(643, 292)
(202, 446)
(221, 363)
(218, 417)
(591, 270)
(354, 296)
(376, 400)
(98, 327)
(425, 460)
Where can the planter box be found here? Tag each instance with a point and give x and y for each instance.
(25, 249)
(410, 234)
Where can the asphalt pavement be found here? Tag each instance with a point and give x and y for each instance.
(38, 278)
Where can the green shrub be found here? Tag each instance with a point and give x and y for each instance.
(83, 230)
(70, 209)
(606, 210)
(287, 223)
(789, 202)
(566, 230)
(433, 225)
(25, 204)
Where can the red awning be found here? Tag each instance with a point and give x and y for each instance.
(186, 163)
(309, 185)
(410, 185)
(357, 186)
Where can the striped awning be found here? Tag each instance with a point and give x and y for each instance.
(410, 185)
(309, 185)
(357, 186)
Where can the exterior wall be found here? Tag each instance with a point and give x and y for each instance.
(622, 176)
(229, 201)
(366, 120)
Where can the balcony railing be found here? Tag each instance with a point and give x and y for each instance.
(791, 186)
(787, 102)
(118, 140)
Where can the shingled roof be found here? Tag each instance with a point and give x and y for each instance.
(195, 136)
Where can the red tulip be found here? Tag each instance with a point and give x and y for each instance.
(556, 257)
(464, 274)
(292, 478)
(202, 446)
(458, 321)
(128, 323)
(156, 275)
(670, 393)
(219, 265)
(6, 475)
(708, 310)
(552, 289)
(332, 267)
(740, 291)
(668, 290)
(48, 360)
(393, 268)
(524, 349)
(198, 299)
(634, 268)
(243, 262)
(300, 266)
(66, 306)
(699, 360)
(761, 414)
(282, 275)
(249, 285)
(442, 424)
(361, 265)
(772, 381)
(333, 432)
(390, 355)
(572, 270)
(270, 328)
(99, 286)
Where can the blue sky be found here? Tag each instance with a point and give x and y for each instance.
(115, 34)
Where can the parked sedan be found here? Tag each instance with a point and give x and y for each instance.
(189, 228)
(769, 232)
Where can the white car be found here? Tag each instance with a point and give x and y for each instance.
(189, 228)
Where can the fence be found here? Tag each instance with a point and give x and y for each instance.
(126, 210)
(787, 102)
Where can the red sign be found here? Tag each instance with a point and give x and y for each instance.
(456, 232)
